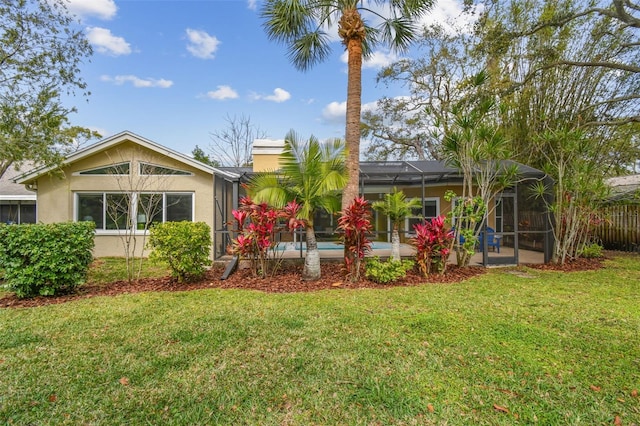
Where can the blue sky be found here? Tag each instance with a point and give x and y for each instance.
(173, 71)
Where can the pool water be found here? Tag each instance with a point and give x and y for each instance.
(330, 245)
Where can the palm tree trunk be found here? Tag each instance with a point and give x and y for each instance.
(352, 131)
(395, 244)
(311, 271)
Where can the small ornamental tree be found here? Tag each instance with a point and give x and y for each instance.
(353, 225)
(467, 215)
(397, 208)
(432, 242)
(258, 226)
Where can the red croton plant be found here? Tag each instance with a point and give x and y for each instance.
(257, 227)
(354, 224)
(432, 242)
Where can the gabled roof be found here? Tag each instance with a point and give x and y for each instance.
(110, 142)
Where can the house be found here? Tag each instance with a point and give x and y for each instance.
(17, 202)
(128, 182)
(123, 182)
(624, 189)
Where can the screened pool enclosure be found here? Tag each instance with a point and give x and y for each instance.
(517, 220)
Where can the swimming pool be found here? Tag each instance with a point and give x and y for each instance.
(331, 245)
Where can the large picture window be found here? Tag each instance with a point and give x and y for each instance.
(119, 211)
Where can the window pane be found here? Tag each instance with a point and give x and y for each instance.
(90, 208)
(115, 169)
(410, 224)
(117, 211)
(9, 212)
(28, 212)
(430, 209)
(179, 207)
(149, 209)
(152, 169)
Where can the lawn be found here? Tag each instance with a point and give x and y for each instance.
(508, 347)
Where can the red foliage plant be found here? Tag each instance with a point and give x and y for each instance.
(354, 224)
(432, 242)
(258, 225)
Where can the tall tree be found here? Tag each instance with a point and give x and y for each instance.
(413, 126)
(41, 52)
(312, 174)
(199, 154)
(232, 145)
(302, 25)
(553, 77)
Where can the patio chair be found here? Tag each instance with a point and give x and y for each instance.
(492, 240)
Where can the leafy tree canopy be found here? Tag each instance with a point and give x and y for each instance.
(41, 52)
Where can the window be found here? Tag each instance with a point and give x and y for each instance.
(118, 211)
(430, 209)
(17, 211)
(121, 169)
(154, 170)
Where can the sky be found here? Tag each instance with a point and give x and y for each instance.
(174, 71)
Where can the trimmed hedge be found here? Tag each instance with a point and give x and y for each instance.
(184, 246)
(46, 259)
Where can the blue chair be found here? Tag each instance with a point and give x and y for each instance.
(492, 241)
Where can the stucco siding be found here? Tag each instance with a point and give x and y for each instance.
(57, 194)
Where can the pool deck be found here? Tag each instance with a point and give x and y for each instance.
(408, 251)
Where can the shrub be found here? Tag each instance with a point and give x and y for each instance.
(45, 260)
(591, 251)
(432, 243)
(184, 246)
(354, 224)
(387, 272)
(258, 226)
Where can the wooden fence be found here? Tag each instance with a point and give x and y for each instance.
(621, 228)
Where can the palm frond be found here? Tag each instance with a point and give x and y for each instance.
(269, 188)
(309, 49)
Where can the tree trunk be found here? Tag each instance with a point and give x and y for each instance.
(395, 244)
(352, 131)
(311, 271)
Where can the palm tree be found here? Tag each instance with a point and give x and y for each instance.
(397, 208)
(302, 25)
(312, 173)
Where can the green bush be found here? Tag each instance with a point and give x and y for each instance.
(592, 251)
(184, 246)
(386, 272)
(46, 259)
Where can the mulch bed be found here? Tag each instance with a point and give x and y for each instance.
(286, 281)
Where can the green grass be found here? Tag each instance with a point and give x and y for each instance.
(551, 348)
(108, 269)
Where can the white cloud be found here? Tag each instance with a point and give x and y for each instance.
(201, 45)
(137, 81)
(102, 9)
(223, 92)
(107, 43)
(449, 14)
(279, 95)
(252, 4)
(335, 112)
